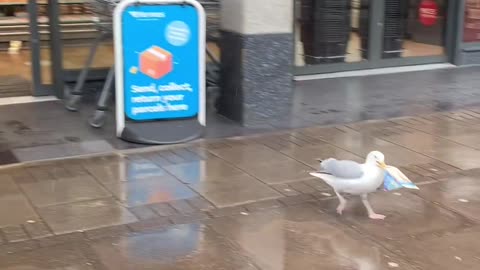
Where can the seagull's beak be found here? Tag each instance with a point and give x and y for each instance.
(382, 165)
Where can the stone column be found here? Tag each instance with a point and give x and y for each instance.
(257, 60)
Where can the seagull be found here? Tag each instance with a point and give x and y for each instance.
(346, 176)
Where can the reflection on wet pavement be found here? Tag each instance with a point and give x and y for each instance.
(191, 246)
(303, 238)
(148, 191)
(202, 171)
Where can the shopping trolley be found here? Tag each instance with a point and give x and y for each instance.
(102, 11)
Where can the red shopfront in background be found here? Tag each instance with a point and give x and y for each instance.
(428, 12)
(471, 26)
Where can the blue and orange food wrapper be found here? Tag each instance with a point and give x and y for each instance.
(395, 179)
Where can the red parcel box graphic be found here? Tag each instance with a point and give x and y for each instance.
(156, 62)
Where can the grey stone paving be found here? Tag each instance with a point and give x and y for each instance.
(249, 203)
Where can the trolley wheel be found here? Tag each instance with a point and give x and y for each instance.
(72, 103)
(213, 74)
(98, 119)
(67, 91)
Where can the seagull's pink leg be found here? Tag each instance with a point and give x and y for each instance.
(342, 204)
(371, 213)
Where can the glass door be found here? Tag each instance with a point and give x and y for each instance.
(345, 35)
(20, 49)
(414, 28)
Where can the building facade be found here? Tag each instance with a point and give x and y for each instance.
(266, 43)
(44, 43)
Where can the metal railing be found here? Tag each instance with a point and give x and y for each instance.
(102, 11)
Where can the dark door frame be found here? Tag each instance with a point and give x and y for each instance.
(38, 86)
(375, 42)
(56, 52)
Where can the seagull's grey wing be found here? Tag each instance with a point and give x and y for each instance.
(345, 169)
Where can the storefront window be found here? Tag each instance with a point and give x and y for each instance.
(15, 56)
(471, 26)
(339, 31)
(331, 31)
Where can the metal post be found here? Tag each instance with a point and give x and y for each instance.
(34, 47)
(456, 28)
(377, 19)
(56, 52)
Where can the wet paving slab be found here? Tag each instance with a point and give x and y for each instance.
(471, 140)
(280, 172)
(458, 193)
(447, 151)
(408, 216)
(235, 190)
(203, 171)
(361, 144)
(61, 191)
(453, 250)
(14, 206)
(309, 155)
(85, 215)
(249, 156)
(67, 256)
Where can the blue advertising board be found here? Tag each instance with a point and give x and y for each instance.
(160, 50)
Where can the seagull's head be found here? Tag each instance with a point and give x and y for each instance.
(377, 158)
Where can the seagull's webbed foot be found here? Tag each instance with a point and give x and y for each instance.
(376, 216)
(371, 213)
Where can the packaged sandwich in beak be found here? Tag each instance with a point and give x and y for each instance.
(395, 179)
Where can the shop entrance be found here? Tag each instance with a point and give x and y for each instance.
(24, 48)
(43, 44)
(343, 35)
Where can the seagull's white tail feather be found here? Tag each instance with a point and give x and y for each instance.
(327, 178)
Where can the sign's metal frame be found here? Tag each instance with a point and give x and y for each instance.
(118, 43)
